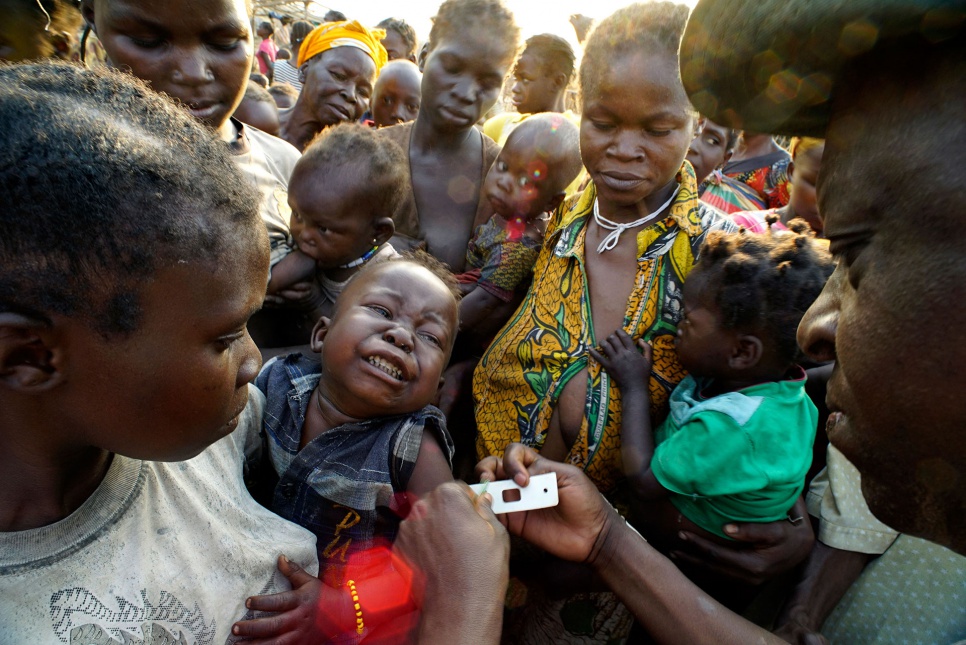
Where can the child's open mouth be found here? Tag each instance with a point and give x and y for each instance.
(386, 367)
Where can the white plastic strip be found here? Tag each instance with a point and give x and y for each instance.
(541, 492)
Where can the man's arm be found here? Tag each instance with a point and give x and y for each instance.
(584, 527)
(827, 575)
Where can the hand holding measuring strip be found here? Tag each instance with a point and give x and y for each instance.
(541, 492)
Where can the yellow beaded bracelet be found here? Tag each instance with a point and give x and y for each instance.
(360, 626)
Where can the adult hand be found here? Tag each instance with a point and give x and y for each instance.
(574, 529)
(453, 539)
(761, 551)
(455, 544)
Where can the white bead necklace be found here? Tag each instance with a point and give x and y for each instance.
(616, 228)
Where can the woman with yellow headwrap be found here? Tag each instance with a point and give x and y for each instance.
(338, 63)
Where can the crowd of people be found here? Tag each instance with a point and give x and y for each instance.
(704, 270)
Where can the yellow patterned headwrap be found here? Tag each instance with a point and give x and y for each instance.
(349, 33)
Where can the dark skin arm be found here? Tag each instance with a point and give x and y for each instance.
(432, 468)
(293, 268)
(827, 575)
(631, 370)
(584, 528)
(454, 541)
(475, 307)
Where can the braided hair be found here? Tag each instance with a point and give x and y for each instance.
(765, 283)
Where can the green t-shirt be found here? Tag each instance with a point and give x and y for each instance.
(738, 457)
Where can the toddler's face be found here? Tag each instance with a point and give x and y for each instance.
(396, 99)
(384, 351)
(197, 51)
(518, 183)
(330, 218)
(703, 345)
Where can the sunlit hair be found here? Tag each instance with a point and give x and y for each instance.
(405, 31)
(456, 17)
(654, 27)
(554, 54)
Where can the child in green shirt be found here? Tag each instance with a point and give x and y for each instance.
(738, 440)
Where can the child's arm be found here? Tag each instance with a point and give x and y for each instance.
(432, 467)
(294, 267)
(631, 370)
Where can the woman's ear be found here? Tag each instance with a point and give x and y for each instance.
(383, 228)
(746, 353)
(318, 333)
(30, 360)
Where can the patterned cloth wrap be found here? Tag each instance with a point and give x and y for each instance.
(500, 258)
(767, 174)
(349, 33)
(729, 195)
(544, 345)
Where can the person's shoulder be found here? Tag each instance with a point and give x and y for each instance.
(491, 149)
(294, 371)
(279, 150)
(494, 126)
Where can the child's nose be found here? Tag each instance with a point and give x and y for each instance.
(399, 337)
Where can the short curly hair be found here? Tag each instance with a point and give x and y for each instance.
(489, 16)
(356, 148)
(103, 182)
(653, 27)
(405, 31)
(765, 283)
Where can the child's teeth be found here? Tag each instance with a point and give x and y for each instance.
(386, 367)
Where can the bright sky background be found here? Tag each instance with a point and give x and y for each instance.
(533, 16)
